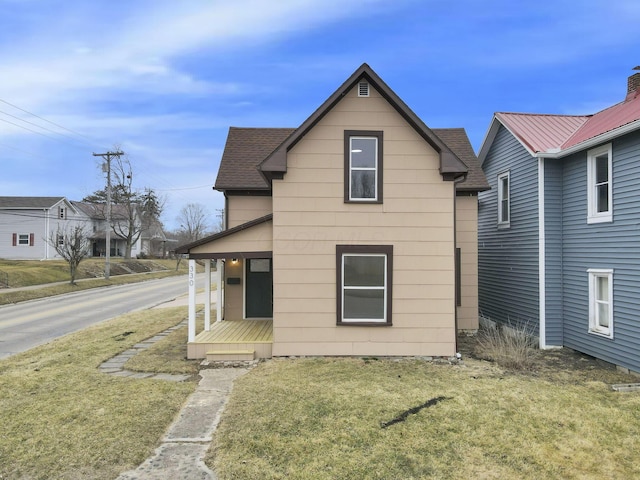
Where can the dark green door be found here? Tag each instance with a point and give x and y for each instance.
(259, 288)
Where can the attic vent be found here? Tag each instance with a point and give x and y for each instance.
(363, 89)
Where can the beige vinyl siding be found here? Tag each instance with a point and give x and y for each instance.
(233, 300)
(243, 209)
(258, 238)
(467, 240)
(311, 218)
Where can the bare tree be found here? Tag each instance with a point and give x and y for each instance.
(194, 220)
(134, 211)
(73, 245)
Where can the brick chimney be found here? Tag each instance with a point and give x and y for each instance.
(633, 85)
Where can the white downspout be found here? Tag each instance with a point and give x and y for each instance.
(192, 301)
(46, 234)
(541, 257)
(207, 295)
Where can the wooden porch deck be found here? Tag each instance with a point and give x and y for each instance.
(234, 340)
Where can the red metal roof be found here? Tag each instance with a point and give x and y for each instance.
(554, 133)
(540, 132)
(607, 120)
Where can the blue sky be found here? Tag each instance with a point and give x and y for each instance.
(164, 79)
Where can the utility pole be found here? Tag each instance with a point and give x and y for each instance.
(106, 167)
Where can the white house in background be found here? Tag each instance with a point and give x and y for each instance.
(27, 222)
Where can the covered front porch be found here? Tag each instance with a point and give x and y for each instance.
(243, 327)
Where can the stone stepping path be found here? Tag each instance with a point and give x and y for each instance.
(182, 450)
(115, 366)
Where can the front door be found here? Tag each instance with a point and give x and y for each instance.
(259, 288)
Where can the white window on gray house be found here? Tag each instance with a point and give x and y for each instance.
(364, 284)
(504, 200)
(23, 239)
(363, 166)
(601, 302)
(599, 191)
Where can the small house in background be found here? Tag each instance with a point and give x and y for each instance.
(353, 234)
(27, 223)
(559, 232)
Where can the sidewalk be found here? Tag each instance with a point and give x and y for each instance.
(183, 448)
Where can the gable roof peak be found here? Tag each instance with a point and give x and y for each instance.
(276, 163)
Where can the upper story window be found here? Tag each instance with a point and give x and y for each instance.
(599, 191)
(601, 301)
(504, 200)
(363, 166)
(62, 213)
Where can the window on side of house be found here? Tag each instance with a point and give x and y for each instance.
(504, 200)
(599, 191)
(363, 166)
(23, 239)
(601, 302)
(364, 280)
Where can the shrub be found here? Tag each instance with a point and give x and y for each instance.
(512, 346)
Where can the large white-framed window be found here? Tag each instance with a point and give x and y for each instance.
(601, 301)
(504, 200)
(363, 166)
(599, 185)
(364, 281)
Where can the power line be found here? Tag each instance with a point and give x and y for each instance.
(34, 131)
(49, 121)
(44, 128)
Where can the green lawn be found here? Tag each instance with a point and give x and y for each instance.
(322, 419)
(61, 418)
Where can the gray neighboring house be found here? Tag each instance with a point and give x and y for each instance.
(559, 236)
(151, 241)
(26, 223)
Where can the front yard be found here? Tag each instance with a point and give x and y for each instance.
(323, 419)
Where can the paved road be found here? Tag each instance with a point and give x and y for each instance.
(28, 324)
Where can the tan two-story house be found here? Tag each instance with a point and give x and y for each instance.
(353, 234)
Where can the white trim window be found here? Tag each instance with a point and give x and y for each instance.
(504, 200)
(23, 239)
(599, 185)
(601, 302)
(364, 284)
(363, 164)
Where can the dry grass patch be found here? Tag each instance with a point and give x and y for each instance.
(61, 418)
(23, 295)
(24, 273)
(168, 355)
(322, 419)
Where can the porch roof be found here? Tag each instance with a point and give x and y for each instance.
(253, 239)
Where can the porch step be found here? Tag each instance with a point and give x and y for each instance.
(230, 355)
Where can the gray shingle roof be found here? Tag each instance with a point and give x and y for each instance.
(29, 202)
(244, 150)
(456, 139)
(247, 147)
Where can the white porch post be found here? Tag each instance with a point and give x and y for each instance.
(207, 295)
(192, 300)
(219, 306)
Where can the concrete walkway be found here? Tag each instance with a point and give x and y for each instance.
(182, 451)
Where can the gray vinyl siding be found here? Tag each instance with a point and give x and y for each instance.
(508, 258)
(613, 245)
(553, 251)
